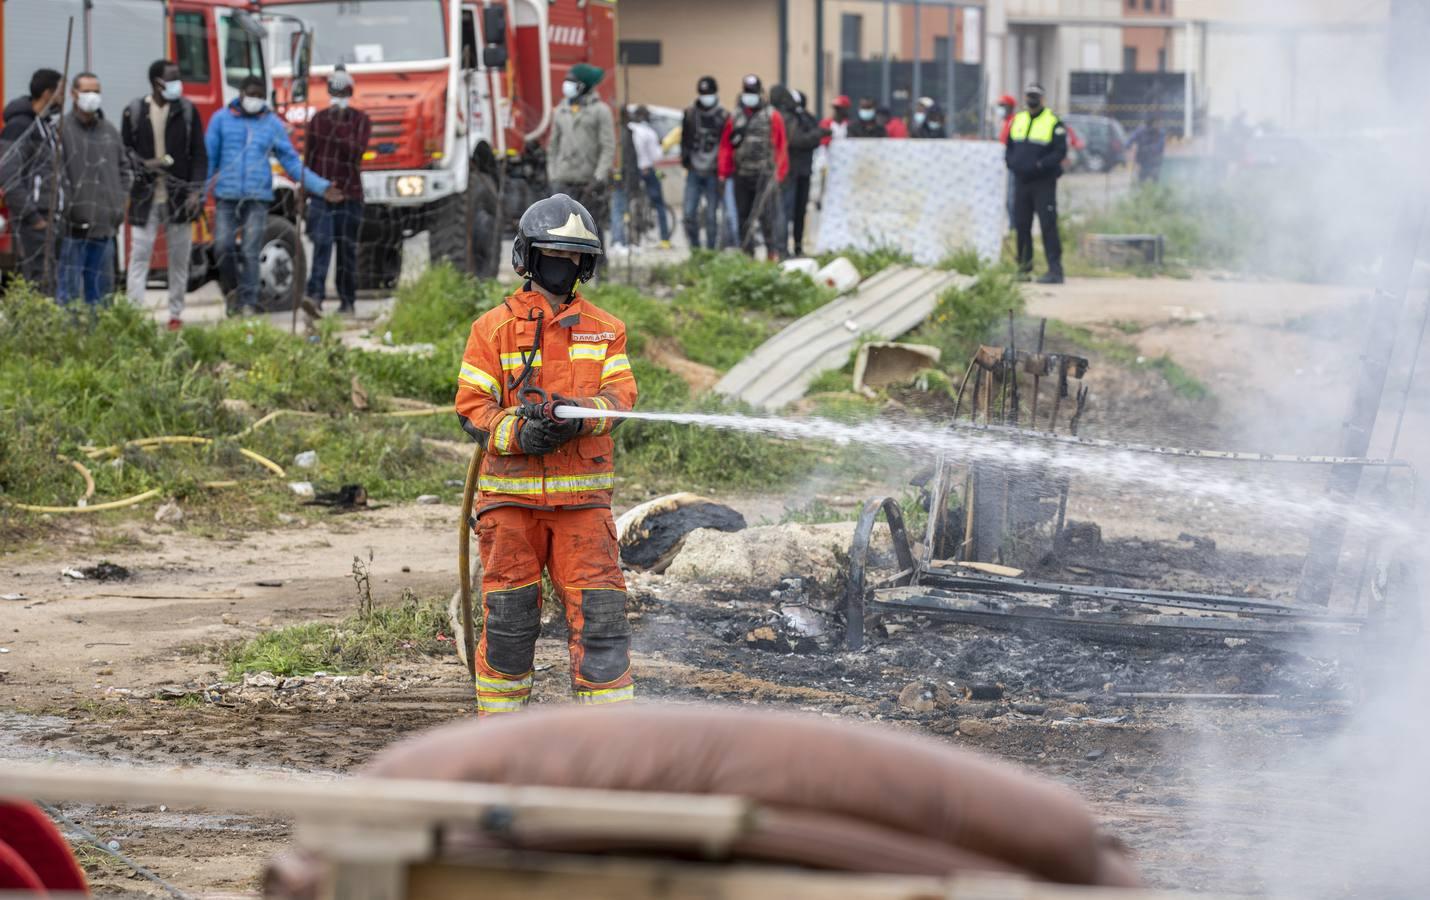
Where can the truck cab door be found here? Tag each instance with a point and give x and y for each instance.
(482, 103)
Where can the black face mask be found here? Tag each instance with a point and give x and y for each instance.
(556, 274)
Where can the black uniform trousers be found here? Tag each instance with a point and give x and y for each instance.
(750, 190)
(1039, 196)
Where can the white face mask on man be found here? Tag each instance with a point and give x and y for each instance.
(866, 115)
(253, 105)
(88, 101)
(340, 102)
(750, 100)
(709, 100)
(172, 90)
(571, 89)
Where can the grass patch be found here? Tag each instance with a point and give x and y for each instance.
(868, 262)
(965, 317)
(1121, 353)
(354, 645)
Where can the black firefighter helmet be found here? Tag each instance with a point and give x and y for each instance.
(556, 223)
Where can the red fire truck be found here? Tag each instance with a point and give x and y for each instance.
(216, 43)
(461, 94)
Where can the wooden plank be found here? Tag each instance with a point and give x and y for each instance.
(711, 821)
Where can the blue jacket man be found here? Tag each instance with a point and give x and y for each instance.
(240, 140)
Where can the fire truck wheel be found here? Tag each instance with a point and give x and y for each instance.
(447, 233)
(282, 266)
(484, 195)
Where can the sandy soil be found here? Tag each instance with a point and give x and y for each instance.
(76, 647)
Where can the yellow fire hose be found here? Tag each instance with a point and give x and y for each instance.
(143, 444)
(464, 560)
(148, 443)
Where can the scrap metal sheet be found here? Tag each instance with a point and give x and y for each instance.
(927, 198)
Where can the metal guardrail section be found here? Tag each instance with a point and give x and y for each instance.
(886, 305)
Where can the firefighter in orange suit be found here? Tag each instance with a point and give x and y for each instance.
(545, 483)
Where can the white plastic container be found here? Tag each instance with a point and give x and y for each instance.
(839, 274)
(804, 265)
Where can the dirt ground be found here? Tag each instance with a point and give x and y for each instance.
(93, 670)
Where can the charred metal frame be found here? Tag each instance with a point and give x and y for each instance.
(957, 590)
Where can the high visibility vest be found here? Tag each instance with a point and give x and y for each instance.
(1037, 131)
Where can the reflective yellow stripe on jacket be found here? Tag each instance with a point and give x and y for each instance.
(513, 362)
(1035, 131)
(596, 352)
(554, 484)
(480, 380)
(505, 437)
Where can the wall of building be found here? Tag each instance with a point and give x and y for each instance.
(726, 39)
(1297, 65)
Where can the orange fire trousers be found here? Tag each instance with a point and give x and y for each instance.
(578, 548)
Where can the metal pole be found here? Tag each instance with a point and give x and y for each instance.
(1323, 557)
(818, 57)
(1187, 86)
(918, 54)
(951, 117)
(884, 87)
(52, 225)
(784, 41)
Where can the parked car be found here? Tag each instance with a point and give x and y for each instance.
(1104, 142)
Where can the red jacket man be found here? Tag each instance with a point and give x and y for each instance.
(755, 152)
(545, 500)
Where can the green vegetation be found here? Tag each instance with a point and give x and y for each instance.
(964, 261)
(359, 643)
(1124, 354)
(868, 262)
(965, 317)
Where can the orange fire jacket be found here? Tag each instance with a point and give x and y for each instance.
(581, 356)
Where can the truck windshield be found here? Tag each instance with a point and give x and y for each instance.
(369, 31)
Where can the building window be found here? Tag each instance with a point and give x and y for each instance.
(191, 46)
(1163, 5)
(1132, 4)
(941, 46)
(640, 53)
(1129, 59)
(1147, 5)
(1161, 59)
(851, 36)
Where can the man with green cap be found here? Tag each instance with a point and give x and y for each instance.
(582, 149)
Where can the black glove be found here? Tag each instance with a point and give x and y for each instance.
(564, 429)
(538, 437)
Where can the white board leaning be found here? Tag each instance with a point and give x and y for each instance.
(927, 198)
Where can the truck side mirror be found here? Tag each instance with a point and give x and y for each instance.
(301, 46)
(493, 57)
(494, 54)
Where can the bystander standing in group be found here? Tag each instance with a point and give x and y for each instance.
(1150, 140)
(1037, 146)
(337, 138)
(95, 177)
(27, 144)
(647, 146)
(893, 126)
(700, 131)
(1007, 107)
(239, 141)
(805, 136)
(928, 120)
(866, 121)
(754, 153)
(165, 138)
(582, 148)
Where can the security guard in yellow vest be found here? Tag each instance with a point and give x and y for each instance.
(1037, 146)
